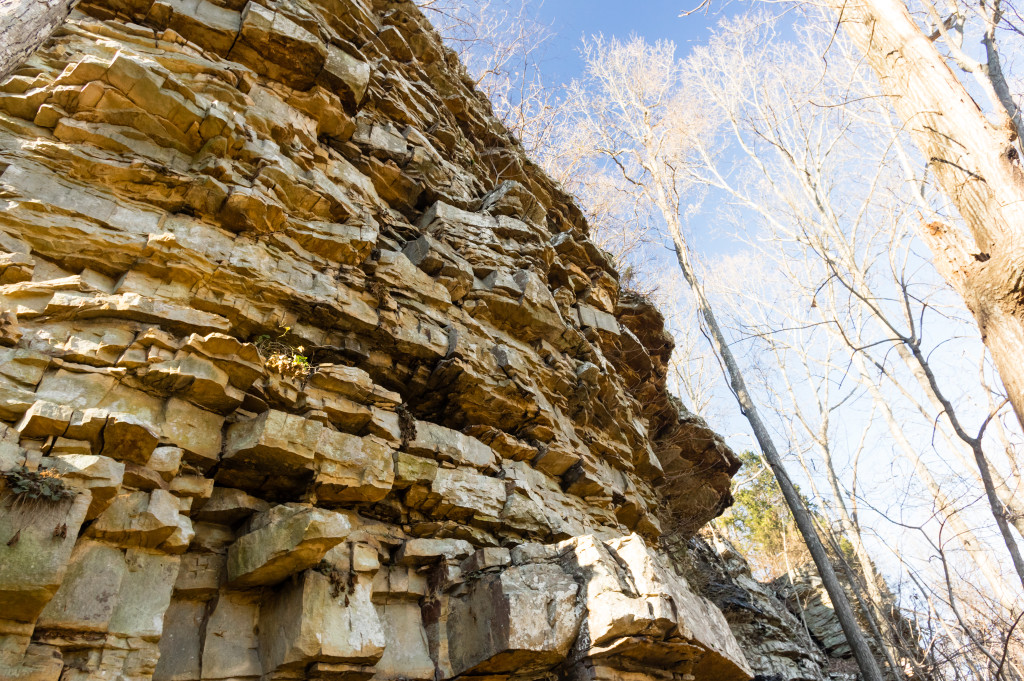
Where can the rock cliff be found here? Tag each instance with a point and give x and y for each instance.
(306, 372)
(781, 638)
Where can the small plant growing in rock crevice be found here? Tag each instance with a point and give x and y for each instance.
(41, 485)
(380, 292)
(32, 491)
(282, 357)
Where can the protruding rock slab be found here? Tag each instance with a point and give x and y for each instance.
(583, 604)
(273, 440)
(353, 469)
(137, 519)
(423, 551)
(292, 539)
(445, 444)
(272, 453)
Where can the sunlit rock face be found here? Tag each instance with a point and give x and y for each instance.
(306, 372)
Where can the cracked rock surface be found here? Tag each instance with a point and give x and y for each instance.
(331, 380)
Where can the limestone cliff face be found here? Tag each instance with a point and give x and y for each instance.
(307, 373)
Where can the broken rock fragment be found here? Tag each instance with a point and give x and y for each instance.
(351, 469)
(137, 519)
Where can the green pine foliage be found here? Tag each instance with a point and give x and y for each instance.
(760, 523)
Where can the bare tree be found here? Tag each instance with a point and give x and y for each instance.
(637, 115)
(817, 427)
(25, 25)
(976, 162)
(821, 178)
(800, 165)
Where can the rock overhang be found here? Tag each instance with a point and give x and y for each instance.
(274, 314)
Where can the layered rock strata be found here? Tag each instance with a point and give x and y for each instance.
(787, 628)
(777, 643)
(306, 372)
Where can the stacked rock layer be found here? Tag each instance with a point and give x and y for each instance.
(306, 372)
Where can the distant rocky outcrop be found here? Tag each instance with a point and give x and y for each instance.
(787, 628)
(307, 372)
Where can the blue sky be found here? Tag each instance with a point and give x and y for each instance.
(572, 20)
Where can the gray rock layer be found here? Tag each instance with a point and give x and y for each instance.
(337, 383)
(778, 645)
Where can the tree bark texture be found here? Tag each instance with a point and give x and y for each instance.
(976, 163)
(24, 26)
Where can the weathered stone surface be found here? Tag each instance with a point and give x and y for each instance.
(181, 643)
(317, 618)
(88, 594)
(128, 438)
(109, 590)
(352, 469)
(636, 608)
(292, 540)
(231, 648)
(165, 461)
(804, 586)
(423, 551)
(273, 450)
(137, 519)
(347, 74)
(196, 431)
(403, 621)
(463, 493)
(199, 575)
(445, 444)
(100, 475)
(523, 619)
(228, 506)
(36, 541)
(775, 643)
(45, 418)
(342, 385)
(144, 595)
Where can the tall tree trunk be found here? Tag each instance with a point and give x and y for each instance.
(976, 163)
(873, 614)
(805, 523)
(874, 606)
(25, 25)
